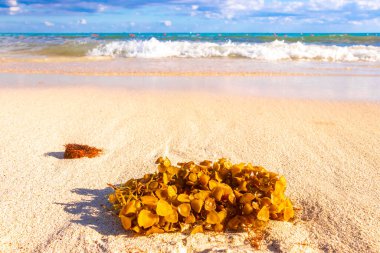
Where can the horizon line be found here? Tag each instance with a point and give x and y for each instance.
(189, 32)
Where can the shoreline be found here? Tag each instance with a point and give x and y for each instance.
(178, 64)
(181, 73)
(327, 88)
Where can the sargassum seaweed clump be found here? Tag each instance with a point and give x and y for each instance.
(74, 151)
(199, 197)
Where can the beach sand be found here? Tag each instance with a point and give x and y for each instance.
(328, 152)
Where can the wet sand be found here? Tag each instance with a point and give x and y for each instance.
(108, 66)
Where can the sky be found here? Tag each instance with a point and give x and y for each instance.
(189, 16)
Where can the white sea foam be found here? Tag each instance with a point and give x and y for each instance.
(272, 51)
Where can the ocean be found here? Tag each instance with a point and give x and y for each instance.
(326, 47)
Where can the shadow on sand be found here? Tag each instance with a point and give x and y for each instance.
(58, 155)
(92, 213)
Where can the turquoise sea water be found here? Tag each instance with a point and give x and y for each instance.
(339, 39)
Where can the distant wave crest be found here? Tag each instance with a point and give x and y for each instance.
(272, 51)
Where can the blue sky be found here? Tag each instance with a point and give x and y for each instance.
(190, 16)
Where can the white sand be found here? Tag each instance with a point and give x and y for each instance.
(328, 151)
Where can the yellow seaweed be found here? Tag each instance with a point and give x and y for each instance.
(212, 217)
(190, 219)
(154, 230)
(184, 209)
(263, 214)
(197, 229)
(196, 205)
(198, 197)
(149, 200)
(172, 217)
(147, 219)
(130, 208)
(183, 198)
(163, 208)
(126, 222)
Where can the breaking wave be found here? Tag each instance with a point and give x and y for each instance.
(270, 51)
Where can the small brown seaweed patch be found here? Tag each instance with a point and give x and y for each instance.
(202, 197)
(74, 151)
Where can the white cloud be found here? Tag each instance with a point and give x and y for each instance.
(82, 21)
(12, 2)
(167, 23)
(288, 7)
(132, 24)
(230, 8)
(355, 22)
(14, 7)
(210, 15)
(287, 19)
(48, 23)
(243, 5)
(195, 7)
(319, 5)
(237, 6)
(362, 24)
(223, 8)
(369, 4)
(194, 10)
(101, 8)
